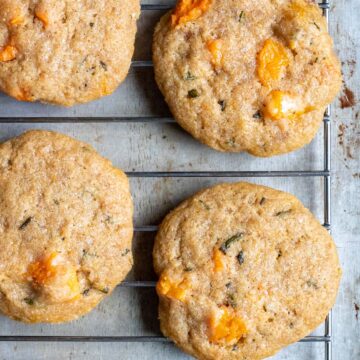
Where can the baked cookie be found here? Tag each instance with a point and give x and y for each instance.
(243, 75)
(244, 271)
(65, 52)
(65, 227)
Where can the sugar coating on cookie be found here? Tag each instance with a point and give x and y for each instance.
(65, 52)
(244, 270)
(244, 75)
(65, 227)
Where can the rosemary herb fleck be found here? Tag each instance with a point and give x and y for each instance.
(222, 104)
(87, 253)
(189, 76)
(312, 283)
(103, 65)
(125, 252)
(231, 300)
(241, 16)
(257, 115)
(317, 26)
(29, 301)
(282, 213)
(206, 206)
(241, 257)
(104, 290)
(193, 93)
(25, 223)
(226, 245)
(231, 142)
(109, 219)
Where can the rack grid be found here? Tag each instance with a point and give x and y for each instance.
(324, 173)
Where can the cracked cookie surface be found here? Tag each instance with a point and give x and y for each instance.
(244, 75)
(65, 227)
(65, 52)
(244, 270)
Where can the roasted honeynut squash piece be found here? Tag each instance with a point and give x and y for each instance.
(243, 75)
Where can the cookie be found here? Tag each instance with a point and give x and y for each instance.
(65, 227)
(65, 52)
(245, 270)
(242, 75)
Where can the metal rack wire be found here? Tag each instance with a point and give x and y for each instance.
(324, 173)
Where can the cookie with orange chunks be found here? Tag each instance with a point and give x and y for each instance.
(244, 270)
(242, 75)
(65, 227)
(65, 52)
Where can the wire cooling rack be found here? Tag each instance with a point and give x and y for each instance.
(324, 173)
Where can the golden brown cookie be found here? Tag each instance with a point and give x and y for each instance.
(245, 270)
(65, 227)
(244, 75)
(65, 52)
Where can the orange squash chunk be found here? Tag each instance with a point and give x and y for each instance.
(218, 259)
(22, 95)
(187, 10)
(174, 290)
(8, 53)
(226, 327)
(54, 272)
(283, 105)
(41, 271)
(73, 282)
(272, 61)
(216, 49)
(42, 17)
(105, 88)
(17, 20)
(300, 8)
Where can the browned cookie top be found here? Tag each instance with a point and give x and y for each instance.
(244, 271)
(65, 52)
(65, 227)
(244, 75)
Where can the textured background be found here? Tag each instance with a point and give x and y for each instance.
(155, 146)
